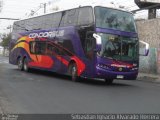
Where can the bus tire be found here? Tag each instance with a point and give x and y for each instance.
(108, 81)
(25, 65)
(20, 64)
(73, 72)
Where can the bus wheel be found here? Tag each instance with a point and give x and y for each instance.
(108, 81)
(25, 65)
(72, 70)
(20, 64)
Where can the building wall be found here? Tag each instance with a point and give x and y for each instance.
(148, 64)
(158, 61)
(149, 31)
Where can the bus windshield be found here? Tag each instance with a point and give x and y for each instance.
(114, 19)
(118, 47)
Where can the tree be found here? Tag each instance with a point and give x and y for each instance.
(5, 43)
(5, 40)
(55, 8)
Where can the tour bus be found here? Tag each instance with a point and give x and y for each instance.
(88, 42)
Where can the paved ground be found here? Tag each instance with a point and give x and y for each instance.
(44, 92)
(149, 77)
(3, 60)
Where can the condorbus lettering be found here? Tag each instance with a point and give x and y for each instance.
(47, 34)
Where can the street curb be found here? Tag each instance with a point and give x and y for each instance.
(153, 79)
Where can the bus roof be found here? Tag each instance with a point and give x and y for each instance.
(111, 7)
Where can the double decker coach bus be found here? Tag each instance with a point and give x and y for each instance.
(89, 42)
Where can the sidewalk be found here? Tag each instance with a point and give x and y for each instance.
(149, 77)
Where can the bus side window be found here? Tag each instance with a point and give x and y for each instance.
(71, 17)
(62, 20)
(38, 47)
(32, 47)
(49, 50)
(53, 50)
(56, 19)
(67, 44)
(85, 16)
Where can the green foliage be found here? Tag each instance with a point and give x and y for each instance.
(5, 40)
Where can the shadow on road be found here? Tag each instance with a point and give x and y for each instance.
(102, 83)
(96, 82)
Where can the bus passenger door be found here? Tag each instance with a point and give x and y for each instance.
(90, 44)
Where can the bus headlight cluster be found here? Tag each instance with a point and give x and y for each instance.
(103, 66)
(134, 68)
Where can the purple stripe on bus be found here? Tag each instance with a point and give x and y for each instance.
(117, 32)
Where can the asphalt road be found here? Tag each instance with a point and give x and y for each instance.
(43, 92)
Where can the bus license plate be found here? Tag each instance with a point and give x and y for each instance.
(120, 76)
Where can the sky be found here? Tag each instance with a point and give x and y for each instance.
(21, 9)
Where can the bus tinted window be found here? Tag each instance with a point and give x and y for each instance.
(71, 17)
(18, 27)
(53, 50)
(67, 44)
(56, 19)
(48, 21)
(62, 20)
(85, 16)
(38, 47)
(28, 24)
(114, 19)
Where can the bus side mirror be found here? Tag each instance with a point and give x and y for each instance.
(143, 49)
(98, 42)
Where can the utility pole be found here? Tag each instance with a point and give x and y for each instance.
(149, 5)
(152, 13)
(44, 6)
(10, 28)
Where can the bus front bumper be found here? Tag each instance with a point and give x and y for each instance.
(107, 74)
